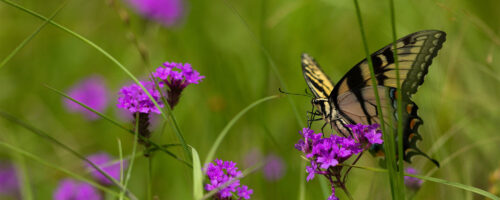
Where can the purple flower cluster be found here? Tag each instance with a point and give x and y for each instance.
(105, 162)
(177, 76)
(134, 99)
(326, 153)
(225, 173)
(167, 12)
(412, 182)
(92, 92)
(70, 189)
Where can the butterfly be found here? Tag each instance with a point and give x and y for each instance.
(352, 100)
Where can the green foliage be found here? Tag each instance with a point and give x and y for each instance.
(246, 50)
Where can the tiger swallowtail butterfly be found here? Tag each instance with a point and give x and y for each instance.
(352, 99)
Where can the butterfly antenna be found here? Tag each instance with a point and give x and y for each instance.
(284, 92)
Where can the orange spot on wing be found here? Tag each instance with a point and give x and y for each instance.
(413, 122)
(411, 136)
(409, 108)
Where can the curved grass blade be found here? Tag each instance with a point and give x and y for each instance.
(388, 139)
(43, 162)
(55, 141)
(197, 175)
(114, 60)
(437, 180)
(154, 145)
(224, 131)
(30, 37)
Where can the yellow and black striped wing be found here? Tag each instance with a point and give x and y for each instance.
(353, 96)
(319, 83)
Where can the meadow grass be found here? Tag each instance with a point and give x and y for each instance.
(247, 50)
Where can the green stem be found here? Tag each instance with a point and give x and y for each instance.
(150, 178)
(399, 99)
(387, 138)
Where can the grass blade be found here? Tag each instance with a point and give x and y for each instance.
(197, 175)
(388, 139)
(134, 148)
(224, 131)
(399, 125)
(30, 37)
(55, 141)
(115, 61)
(40, 160)
(155, 146)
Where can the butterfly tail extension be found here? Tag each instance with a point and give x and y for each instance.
(411, 135)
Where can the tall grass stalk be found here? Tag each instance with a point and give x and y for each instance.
(177, 130)
(399, 125)
(388, 139)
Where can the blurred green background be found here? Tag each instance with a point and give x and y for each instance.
(459, 101)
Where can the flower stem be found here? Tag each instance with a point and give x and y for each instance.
(150, 178)
(350, 167)
(342, 185)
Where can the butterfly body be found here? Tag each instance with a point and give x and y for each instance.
(352, 100)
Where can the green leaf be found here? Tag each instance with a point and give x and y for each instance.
(197, 175)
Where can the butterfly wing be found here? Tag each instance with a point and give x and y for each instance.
(319, 83)
(353, 96)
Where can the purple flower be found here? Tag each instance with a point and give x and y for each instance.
(70, 189)
(166, 12)
(244, 192)
(9, 183)
(367, 134)
(412, 182)
(177, 76)
(105, 162)
(311, 170)
(222, 172)
(92, 92)
(274, 168)
(134, 99)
